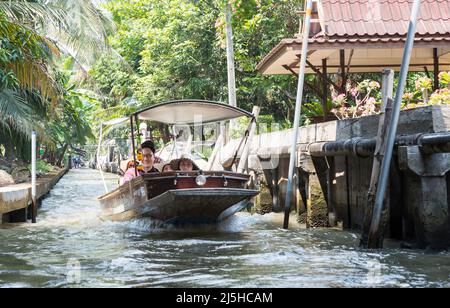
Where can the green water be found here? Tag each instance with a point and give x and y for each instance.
(71, 247)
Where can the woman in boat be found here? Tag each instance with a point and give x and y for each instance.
(148, 161)
(186, 164)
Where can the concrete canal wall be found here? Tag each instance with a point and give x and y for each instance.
(15, 200)
(419, 191)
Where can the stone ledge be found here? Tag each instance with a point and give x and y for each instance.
(429, 119)
(16, 197)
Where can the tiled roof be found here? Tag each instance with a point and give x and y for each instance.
(381, 18)
(373, 23)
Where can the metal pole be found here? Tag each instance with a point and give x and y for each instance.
(298, 106)
(98, 158)
(33, 177)
(385, 167)
(133, 146)
(175, 143)
(243, 162)
(99, 145)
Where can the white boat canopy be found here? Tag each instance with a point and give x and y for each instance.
(115, 121)
(188, 112)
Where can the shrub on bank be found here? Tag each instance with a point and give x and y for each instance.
(364, 98)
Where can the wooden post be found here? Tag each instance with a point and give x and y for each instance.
(383, 125)
(275, 190)
(309, 209)
(331, 176)
(324, 89)
(436, 68)
(343, 75)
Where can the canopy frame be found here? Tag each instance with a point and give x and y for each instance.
(237, 112)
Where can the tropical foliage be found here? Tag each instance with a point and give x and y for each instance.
(359, 100)
(365, 98)
(34, 93)
(176, 49)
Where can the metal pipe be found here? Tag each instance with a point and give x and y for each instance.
(435, 143)
(434, 139)
(386, 164)
(298, 105)
(33, 177)
(429, 143)
(356, 146)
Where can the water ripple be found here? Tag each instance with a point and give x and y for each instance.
(245, 251)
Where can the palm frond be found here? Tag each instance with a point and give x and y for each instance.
(86, 38)
(15, 113)
(34, 14)
(35, 76)
(77, 27)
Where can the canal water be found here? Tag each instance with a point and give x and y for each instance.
(71, 247)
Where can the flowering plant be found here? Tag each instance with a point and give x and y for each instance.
(421, 97)
(358, 100)
(440, 97)
(444, 79)
(424, 83)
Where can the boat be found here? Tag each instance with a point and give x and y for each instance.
(181, 197)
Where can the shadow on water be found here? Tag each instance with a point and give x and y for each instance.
(71, 247)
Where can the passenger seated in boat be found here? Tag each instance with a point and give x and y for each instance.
(148, 161)
(186, 164)
(130, 165)
(167, 168)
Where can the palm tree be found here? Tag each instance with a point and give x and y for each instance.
(78, 27)
(34, 33)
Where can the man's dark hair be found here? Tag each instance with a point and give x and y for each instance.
(149, 145)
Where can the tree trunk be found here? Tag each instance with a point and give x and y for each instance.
(9, 150)
(61, 157)
(166, 133)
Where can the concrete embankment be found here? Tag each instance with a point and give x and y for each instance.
(15, 200)
(418, 200)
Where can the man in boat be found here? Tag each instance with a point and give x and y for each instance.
(148, 161)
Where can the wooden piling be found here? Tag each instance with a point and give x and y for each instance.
(380, 150)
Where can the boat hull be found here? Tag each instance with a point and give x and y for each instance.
(188, 206)
(177, 199)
